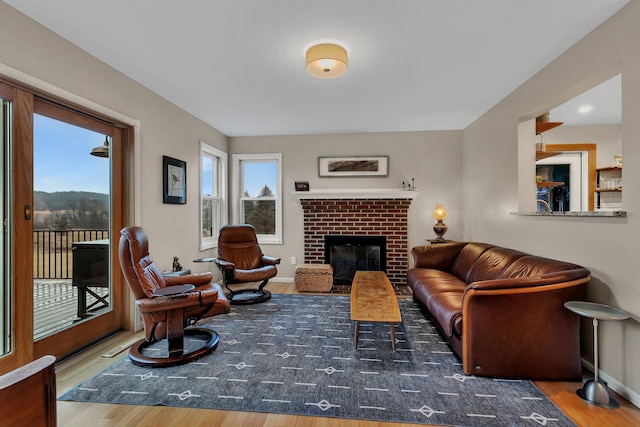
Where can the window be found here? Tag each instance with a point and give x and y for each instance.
(213, 194)
(258, 186)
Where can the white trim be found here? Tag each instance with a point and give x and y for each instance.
(577, 176)
(275, 239)
(356, 193)
(221, 179)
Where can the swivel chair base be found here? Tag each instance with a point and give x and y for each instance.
(137, 358)
(248, 296)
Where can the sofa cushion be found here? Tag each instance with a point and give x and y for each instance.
(446, 308)
(492, 263)
(530, 265)
(467, 258)
(426, 282)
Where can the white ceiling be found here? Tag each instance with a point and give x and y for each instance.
(605, 101)
(239, 64)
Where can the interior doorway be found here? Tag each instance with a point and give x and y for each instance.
(567, 172)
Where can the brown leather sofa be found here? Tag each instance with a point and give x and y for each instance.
(502, 311)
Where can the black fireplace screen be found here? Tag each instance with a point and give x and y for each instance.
(348, 254)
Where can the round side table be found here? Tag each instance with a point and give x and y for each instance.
(593, 391)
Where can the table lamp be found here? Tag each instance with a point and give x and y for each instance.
(440, 214)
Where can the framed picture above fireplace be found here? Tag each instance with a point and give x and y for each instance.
(353, 166)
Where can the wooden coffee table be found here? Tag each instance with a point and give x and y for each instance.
(374, 300)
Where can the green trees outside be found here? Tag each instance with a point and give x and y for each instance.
(261, 213)
(66, 210)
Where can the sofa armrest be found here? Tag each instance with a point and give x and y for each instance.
(522, 332)
(439, 257)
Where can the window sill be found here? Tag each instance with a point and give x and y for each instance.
(269, 240)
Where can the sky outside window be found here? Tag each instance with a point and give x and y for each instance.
(207, 176)
(258, 174)
(62, 161)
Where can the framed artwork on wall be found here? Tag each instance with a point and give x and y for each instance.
(174, 181)
(356, 166)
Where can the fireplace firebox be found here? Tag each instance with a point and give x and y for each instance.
(350, 253)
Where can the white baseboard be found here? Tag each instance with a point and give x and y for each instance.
(615, 385)
(283, 279)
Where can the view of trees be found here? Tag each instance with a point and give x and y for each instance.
(261, 213)
(65, 210)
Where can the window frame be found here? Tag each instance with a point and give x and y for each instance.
(219, 177)
(238, 181)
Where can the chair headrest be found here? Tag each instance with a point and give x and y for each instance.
(138, 268)
(237, 234)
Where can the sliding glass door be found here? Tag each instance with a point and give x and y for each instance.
(73, 294)
(5, 261)
(60, 283)
(71, 220)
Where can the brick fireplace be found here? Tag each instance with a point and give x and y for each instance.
(359, 213)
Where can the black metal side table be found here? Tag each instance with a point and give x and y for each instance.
(594, 391)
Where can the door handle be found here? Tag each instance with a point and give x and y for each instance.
(27, 212)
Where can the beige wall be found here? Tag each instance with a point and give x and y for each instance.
(604, 245)
(164, 128)
(433, 159)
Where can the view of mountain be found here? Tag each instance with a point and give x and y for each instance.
(64, 210)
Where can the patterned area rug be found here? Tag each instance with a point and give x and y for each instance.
(295, 355)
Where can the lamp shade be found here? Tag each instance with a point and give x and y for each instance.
(101, 150)
(326, 61)
(440, 213)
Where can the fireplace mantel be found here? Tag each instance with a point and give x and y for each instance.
(356, 193)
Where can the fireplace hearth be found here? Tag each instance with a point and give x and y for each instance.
(348, 254)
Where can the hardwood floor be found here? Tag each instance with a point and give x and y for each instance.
(74, 370)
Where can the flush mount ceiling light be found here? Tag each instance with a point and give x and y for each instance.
(326, 61)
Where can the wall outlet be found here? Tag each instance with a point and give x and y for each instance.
(293, 260)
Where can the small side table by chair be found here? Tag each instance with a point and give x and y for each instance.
(593, 391)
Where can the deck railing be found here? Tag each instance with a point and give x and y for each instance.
(52, 254)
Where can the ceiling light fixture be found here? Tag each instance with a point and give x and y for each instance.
(326, 61)
(585, 109)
